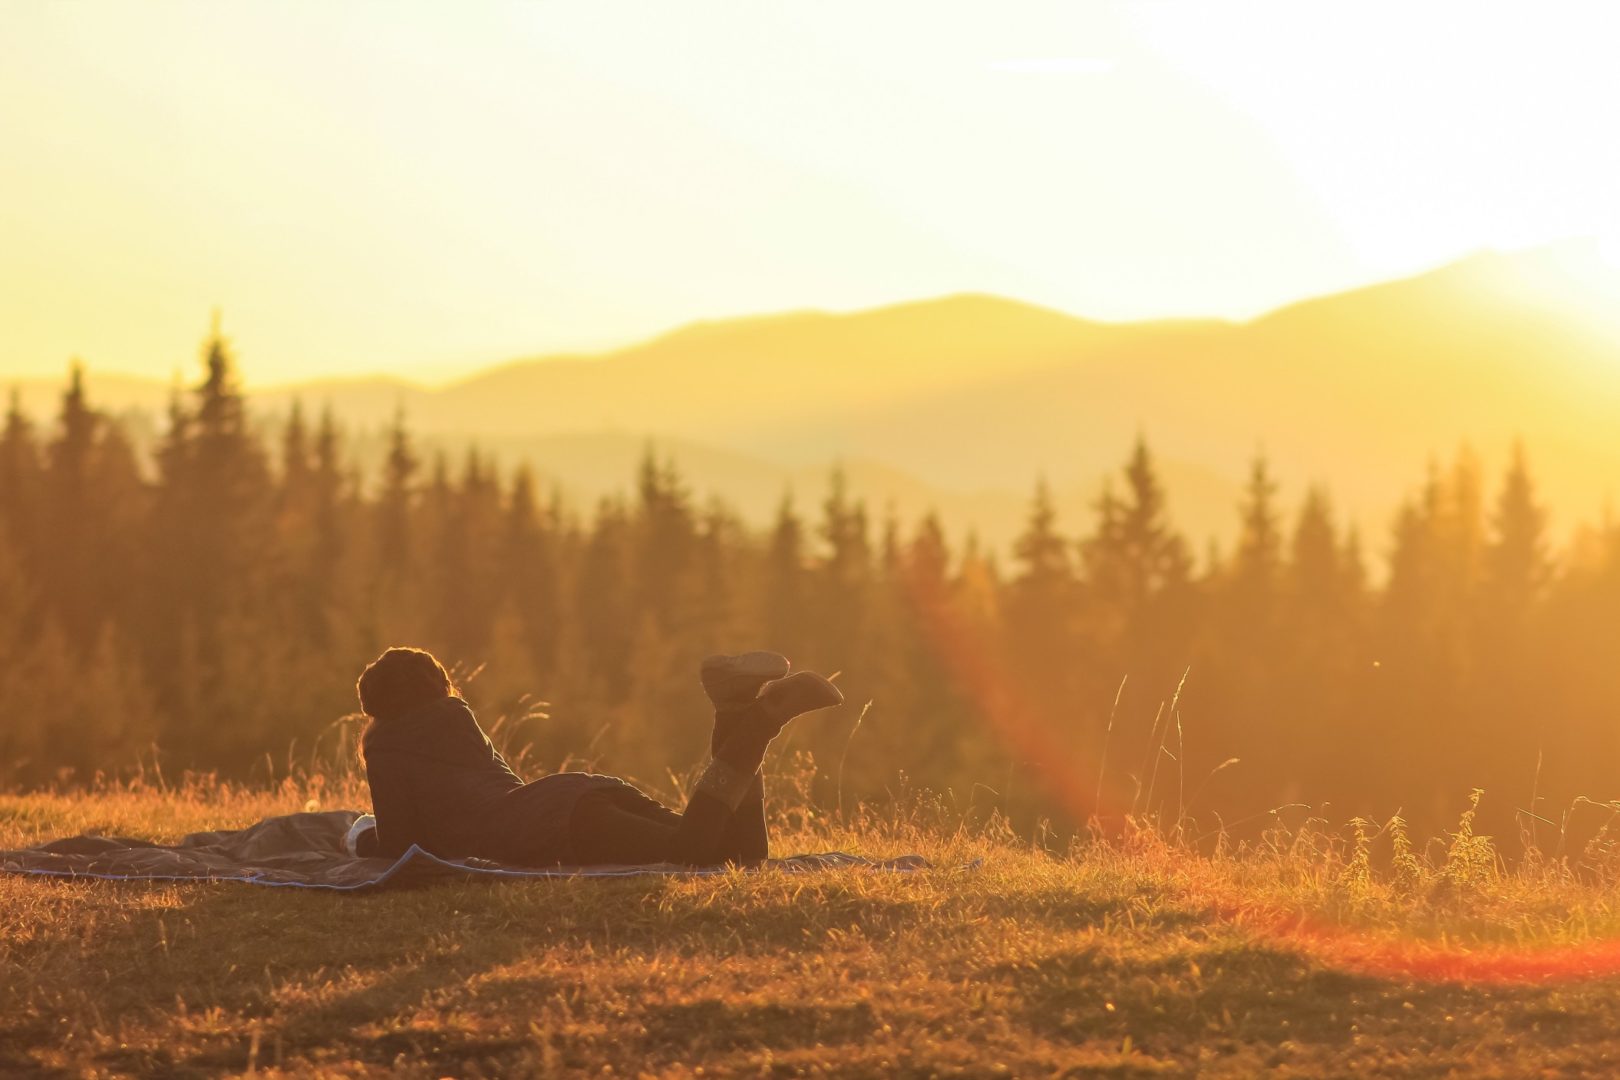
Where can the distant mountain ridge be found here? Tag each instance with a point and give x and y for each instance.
(970, 397)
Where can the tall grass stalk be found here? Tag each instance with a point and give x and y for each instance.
(843, 758)
(1108, 738)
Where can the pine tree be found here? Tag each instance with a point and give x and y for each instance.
(1511, 645)
(448, 559)
(1258, 558)
(848, 563)
(229, 463)
(1461, 529)
(844, 577)
(174, 454)
(1041, 595)
(327, 512)
(602, 602)
(228, 482)
(22, 737)
(1239, 656)
(1134, 555)
(19, 454)
(69, 454)
(299, 605)
(296, 468)
(396, 504)
(666, 535)
(1136, 566)
(475, 583)
(1517, 565)
(784, 598)
(1141, 609)
(1037, 686)
(1042, 553)
(1320, 657)
(529, 571)
(120, 498)
(725, 570)
(164, 602)
(1423, 641)
(1314, 572)
(934, 644)
(21, 478)
(976, 589)
(927, 562)
(67, 565)
(1353, 566)
(1411, 587)
(890, 557)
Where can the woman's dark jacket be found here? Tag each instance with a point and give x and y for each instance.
(439, 783)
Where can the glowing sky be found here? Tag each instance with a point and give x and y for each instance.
(430, 188)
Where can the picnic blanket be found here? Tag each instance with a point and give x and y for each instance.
(310, 851)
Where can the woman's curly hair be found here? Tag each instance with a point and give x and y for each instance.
(401, 679)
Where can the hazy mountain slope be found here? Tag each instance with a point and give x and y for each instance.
(1356, 390)
(964, 400)
(361, 401)
(746, 377)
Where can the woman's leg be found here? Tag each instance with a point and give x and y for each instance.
(629, 826)
(746, 839)
(606, 829)
(603, 829)
(732, 684)
(619, 830)
(741, 736)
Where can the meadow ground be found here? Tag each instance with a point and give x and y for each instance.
(1132, 957)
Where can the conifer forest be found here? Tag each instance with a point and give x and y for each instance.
(206, 604)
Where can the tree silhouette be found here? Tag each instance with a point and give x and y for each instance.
(396, 503)
(180, 591)
(784, 611)
(1516, 562)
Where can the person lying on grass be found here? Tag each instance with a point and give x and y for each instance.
(438, 782)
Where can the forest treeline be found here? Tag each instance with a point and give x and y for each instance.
(211, 609)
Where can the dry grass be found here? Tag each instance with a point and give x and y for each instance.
(1130, 957)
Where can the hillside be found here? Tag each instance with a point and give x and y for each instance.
(738, 383)
(1135, 959)
(1355, 390)
(963, 400)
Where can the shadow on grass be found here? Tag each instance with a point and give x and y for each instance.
(418, 976)
(278, 960)
(1065, 909)
(1259, 995)
(713, 1024)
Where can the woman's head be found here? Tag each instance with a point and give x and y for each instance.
(400, 680)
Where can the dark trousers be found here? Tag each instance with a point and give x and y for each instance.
(630, 827)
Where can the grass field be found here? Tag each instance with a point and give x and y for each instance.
(1296, 956)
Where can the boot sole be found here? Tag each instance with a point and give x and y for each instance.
(798, 695)
(722, 674)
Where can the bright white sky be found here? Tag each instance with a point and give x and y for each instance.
(429, 188)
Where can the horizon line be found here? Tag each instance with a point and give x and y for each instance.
(474, 369)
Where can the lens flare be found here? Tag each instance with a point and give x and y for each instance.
(1066, 777)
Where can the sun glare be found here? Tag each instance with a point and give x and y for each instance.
(1608, 246)
(591, 186)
